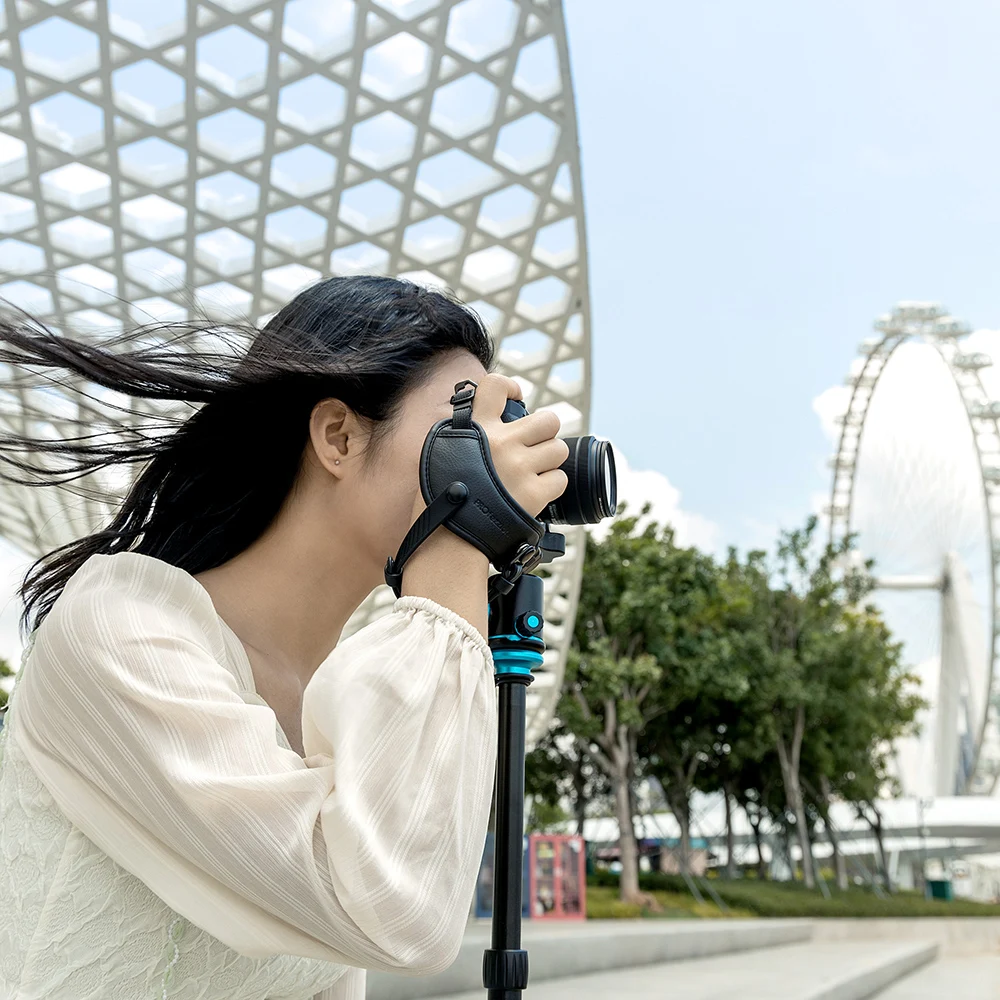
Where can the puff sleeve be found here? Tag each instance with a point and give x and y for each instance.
(364, 852)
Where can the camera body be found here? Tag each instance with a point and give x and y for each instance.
(463, 491)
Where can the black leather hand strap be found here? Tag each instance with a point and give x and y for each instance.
(421, 529)
(491, 519)
(456, 456)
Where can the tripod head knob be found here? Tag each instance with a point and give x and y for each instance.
(528, 624)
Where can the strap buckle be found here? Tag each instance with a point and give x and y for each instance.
(526, 558)
(462, 401)
(463, 395)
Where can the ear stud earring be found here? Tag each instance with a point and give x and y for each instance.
(336, 461)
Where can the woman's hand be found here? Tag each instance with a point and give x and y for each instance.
(527, 455)
(526, 452)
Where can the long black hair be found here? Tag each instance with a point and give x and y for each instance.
(216, 477)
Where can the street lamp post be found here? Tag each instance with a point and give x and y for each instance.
(923, 804)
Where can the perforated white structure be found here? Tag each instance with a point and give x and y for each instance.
(159, 157)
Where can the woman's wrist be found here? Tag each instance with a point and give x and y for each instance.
(449, 570)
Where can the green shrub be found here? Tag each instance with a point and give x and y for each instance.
(648, 881)
(792, 899)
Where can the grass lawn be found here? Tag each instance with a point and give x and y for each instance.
(603, 904)
(750, 897)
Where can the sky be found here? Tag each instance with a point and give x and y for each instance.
(760, 182)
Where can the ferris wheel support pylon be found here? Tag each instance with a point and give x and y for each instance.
(927, 322)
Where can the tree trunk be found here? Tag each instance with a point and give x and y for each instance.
(786, 846)
(629, 891)
(681, 808)
(838, 857)
(628, 851)
(796, 804)
(633, 800)
(877, 830)
(579, 795)
(761, 867)
(813, 863)
(730, 859)
(614, 753)
(685, 822)
(788, 757)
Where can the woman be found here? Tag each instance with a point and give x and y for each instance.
(202, 795)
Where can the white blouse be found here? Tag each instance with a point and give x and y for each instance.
(160, 838)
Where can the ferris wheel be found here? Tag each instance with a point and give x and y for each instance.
(916, 477)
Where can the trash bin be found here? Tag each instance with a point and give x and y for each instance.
(939, 888)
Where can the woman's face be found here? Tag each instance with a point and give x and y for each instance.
(374, 501)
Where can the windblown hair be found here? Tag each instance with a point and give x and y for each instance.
(223, 447)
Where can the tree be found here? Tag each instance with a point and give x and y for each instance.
(612, 672)
(688, 746)
(768, 679)
(757, 791)
(5, 671)
(819, 793)
(559, 769)
(543, 817)
(793, 639)
(740, 743)
(652, 664)
(736, 768)
(877, 704)
(703, 679)
(869, 701)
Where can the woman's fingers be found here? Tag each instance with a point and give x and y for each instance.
(552, 486)
(548, 455)
(536, 427)
(525, 452)
(492, 394)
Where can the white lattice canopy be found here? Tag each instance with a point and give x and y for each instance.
(166, 158)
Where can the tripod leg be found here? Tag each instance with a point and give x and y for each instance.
(505, 965)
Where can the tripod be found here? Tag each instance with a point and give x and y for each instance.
(515, 626)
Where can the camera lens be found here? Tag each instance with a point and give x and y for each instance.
(592, 491)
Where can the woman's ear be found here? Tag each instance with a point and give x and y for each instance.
(334, 431)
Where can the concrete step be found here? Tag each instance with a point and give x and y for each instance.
(969, 977)
(847, 971)
(572, 948)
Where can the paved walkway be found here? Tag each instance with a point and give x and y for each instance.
(966, 977)
(793, 972)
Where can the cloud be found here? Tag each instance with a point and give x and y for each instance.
(636, 486)
(828, 406)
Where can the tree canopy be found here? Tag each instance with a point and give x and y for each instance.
(772, 679)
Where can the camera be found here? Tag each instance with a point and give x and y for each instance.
(592, 491)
